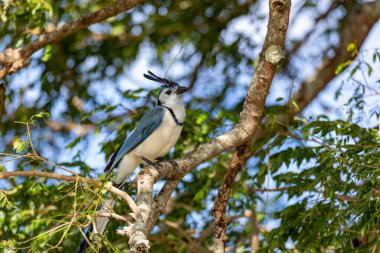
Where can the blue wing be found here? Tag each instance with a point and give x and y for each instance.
(148, 123)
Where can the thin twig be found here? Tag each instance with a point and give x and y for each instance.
(124, 195)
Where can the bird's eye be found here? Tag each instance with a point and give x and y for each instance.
(169, 92)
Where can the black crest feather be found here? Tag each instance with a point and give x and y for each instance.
(158, 79)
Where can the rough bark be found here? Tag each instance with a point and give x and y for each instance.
(309, 90)
(243, 130)
(275, 40)
(14, 59)
(137, 232)
(253, 109)
(220, 205)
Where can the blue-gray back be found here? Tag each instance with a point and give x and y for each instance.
(147, 124)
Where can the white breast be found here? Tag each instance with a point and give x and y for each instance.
(160, 142)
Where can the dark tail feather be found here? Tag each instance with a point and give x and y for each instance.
(84, 245)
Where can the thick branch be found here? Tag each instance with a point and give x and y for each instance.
(124, 195)
(239, 134)
(355, 29)
(219, 210)
(253, 108)
(309, 90)
(137, 232)
(275, 39)
(14, 59)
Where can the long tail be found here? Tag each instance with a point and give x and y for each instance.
(101, 223)
(84, 245)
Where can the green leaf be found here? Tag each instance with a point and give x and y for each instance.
(47, 53)
(351, 47)
(353, 71)
(370, 69)
(73, 143)
(20, 146)
(342, 67)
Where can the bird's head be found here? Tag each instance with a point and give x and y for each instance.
(171, 93)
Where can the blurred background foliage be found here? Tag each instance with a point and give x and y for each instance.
(311, 184)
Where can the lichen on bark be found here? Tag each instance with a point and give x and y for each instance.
(274, 54)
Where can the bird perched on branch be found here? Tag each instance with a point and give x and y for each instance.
(153, 137)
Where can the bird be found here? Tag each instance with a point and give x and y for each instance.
(152, 138)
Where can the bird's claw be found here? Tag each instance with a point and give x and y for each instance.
(161, 159)
(173, 163)
(156, 165)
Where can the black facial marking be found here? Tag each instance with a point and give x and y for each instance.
(174, 117)
(159, 101)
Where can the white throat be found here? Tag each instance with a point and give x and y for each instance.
(178, 110)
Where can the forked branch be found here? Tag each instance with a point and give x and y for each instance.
(13, 59)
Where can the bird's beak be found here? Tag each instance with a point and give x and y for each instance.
(181, 90)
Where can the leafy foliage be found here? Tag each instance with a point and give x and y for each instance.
(323, 171)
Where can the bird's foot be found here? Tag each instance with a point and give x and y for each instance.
(162, 159)
(173, 163)
(157, 164)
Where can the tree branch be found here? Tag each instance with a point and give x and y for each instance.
(14, 59)
(240, 134)
(270, 190)
(253, 109)
(280, 189)
(219, 210)
(355, 29)
(277, 26)
(115, 216)
(365, 18)
(207, 231)
(137, 232)
(123, 195)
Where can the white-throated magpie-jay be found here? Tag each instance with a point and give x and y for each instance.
(155, 134)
